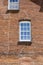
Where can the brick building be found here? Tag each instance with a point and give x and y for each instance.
(9, 28)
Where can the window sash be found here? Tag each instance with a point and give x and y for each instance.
(24, 31)
(13, 5)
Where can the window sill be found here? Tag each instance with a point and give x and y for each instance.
(27, 43)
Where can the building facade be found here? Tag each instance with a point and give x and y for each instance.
(9, 29)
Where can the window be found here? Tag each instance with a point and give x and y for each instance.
(25, 31)
(13, 4)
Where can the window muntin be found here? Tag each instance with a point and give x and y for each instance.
(25, 31)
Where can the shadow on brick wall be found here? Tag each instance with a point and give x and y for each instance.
(40, 3)
(25, 43)
(12, 11)
(41, 8)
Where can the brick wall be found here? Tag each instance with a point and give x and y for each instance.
(9, 28)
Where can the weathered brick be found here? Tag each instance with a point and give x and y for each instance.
(9, 27)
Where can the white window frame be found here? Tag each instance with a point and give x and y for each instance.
(20, 31)
(13, 8)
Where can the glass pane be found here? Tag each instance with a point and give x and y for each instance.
(28, 28)
(28, 33)
(21, 33)
(21, 29)
(28, 37)
(24, 37)
(27, 24)
(24, 33)
(16, 0)
(24, 28)
(24, 24)
(21, 24)
(11, 0)
(21, 37)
